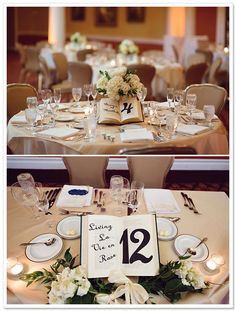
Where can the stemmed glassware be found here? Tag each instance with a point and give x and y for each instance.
(191, 101)
(57, 96)
(171, 125)
(76, 93)
(27, 196)
(170, 96)
(31, 102)
(116, 186)
(94, 92)
(142, 94)
(88, 90)
(209, 112)
(31, 116)
(136, 193)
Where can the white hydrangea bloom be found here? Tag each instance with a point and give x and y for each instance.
(102, 82)
(120, 71)
(83, 288)
(128, 47)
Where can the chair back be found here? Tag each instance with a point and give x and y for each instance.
(175, 52)
(81, 73)
(151, 171)
(42, 44)
(208, 94)
(146, 74)
(195, 73)
(37, 145)
(16, 97)
(81, 55)
(21, 49)
(61, 64)
(84, 170)
(214, 69)
(195, 58)
(32, 59)
(158, 150)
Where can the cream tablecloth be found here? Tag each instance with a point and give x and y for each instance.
(212, 223)
(21, 141)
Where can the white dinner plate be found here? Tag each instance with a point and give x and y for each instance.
(77, 109)
(69, 227)
(62, 107)
(184, 241)
(64, 118)
(41, 252)
(167, 230)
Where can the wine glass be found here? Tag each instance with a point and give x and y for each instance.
(141, 94)
(32, 102)
(57, 95)
(209, 112)
(87, 90)
(116, 186)
(28, 197)
(170, 96)
(31, 116)
(136, 194)
(191, 101)
(171, 125)
(76, 93)
(94, 91)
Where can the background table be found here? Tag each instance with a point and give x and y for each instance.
(20, 140)
(212, 223)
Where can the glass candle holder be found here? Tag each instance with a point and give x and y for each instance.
(14, 267)
(213, 265)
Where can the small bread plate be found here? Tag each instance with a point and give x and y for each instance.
(184, 241)
(69, 227)
(64, 118)
(167, 230)
(62, 106)
(42, 252)
(77, 109)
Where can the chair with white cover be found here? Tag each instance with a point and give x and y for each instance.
(195, 58)
(152, 171)
(195, 73)
(84, 170)
(16, 97)
(62, 76)
(157, 150)
(81, 54)
(80, 72)
(146, 74)
(213, 70)
(208, 94)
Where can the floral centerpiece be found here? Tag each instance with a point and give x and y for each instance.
(118, 83)
(128, 47)
(77, 41)
(67, 283)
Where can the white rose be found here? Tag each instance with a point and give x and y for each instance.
(52, 299)
(83, 288)
(102, 82)
(68, 288)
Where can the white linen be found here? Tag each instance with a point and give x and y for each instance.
(160, 201)
(58, 132)
(131, 135)
(191, 129)
(200, 116)
(165, 105)
(20, 119)
(75, 201)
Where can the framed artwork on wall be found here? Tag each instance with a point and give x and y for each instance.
(78, 14)
(106, 16)
(135, 15)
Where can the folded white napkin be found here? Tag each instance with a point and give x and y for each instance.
(191, 129)
(131, 135)
(165, 105)
(200, 116)
(78, 109)
(71, 196)
(20, 119)
(160, 201)
(59, 132)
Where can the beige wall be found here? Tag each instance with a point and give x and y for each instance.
(154, 25)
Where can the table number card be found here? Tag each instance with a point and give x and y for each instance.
(127, 243)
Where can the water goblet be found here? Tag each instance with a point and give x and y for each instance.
(94, 91)
(87, 90)
(136, 194)
(141, 94)
(28, 198)
(209, 112)
(26, 181)
(170, 96)
(76, 93)
(31, 116)
(32, 102)
(171, 125)
(116, 186)
(191, 101)
(90, 124)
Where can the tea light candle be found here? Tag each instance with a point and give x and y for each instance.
(14, 267)
(213, 264)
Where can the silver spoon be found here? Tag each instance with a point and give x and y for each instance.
(192, 251)
(48, 242)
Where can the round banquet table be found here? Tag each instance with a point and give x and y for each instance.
(22, 228)
(21, 141)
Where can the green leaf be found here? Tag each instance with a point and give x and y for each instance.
(68, 257)
(86, 299)
(173, 285)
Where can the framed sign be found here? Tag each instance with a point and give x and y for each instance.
(135, 14)
(106, 16)
(78, 14)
